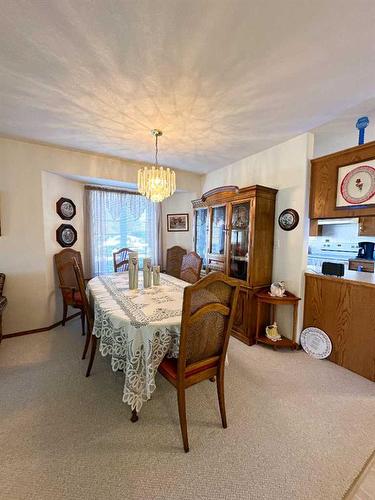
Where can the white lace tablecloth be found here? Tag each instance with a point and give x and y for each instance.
(137, 328)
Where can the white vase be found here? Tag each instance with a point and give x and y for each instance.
(147, 273)
(133, 270)
(156, 275)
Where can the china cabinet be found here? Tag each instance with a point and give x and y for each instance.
(233, 233)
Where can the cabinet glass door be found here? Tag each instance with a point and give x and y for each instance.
(201, 230)
(218, 230)
(239, 242)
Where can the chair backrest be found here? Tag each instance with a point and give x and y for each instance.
(208, 312)
(2, 281)
(80, 281)
(191, 267)
(174, 260)
(121, 259)
(64, 266)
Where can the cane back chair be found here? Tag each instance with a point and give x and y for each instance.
(121, 260)
(68, 284)
(207, 318)
(3, 303)
(174, 260)
(191, 267)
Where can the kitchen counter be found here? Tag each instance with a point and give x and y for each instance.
(344, 308)
(358, 277)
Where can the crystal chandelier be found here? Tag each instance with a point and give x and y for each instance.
(156, 183)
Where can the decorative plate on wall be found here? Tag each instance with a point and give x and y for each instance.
(288, 219)
(66, 208)
(66, 235)
(316, 342)
(356, 185)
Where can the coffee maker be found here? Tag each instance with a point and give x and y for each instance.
(366, 250)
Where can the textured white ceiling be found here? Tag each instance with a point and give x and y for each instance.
(222, 78)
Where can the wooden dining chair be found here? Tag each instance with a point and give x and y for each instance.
(3, 303)
(89, 313)
(174, 260)
(67, 282)
(191, 267)
(121, 260)
(207, 317)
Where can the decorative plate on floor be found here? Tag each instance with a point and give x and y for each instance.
(316, 342)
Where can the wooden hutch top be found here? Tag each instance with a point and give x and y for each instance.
(225, 194)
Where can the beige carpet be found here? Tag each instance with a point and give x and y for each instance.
(298, 428)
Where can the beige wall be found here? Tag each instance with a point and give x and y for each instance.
(286, 168)
(25, 245)
(53, 188)
(176, 204)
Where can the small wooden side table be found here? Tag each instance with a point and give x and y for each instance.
(263, 297)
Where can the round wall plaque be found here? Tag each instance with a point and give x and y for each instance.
(66, 208)
(66, 235)
(288, 219)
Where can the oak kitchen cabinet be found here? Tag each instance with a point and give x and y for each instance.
(324, 174)
(345, 309)
(366, 226)
(233, 233)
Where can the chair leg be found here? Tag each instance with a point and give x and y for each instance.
(65, 313)
(220, 394)
(83, 321)
(182, 414)
(92, 355)
(87, 343)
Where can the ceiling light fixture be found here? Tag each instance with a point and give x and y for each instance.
(156, 183)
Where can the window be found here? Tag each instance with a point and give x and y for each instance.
(118, 219)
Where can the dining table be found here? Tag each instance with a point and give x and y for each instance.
(137, 328)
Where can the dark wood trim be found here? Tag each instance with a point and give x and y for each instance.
(39, 330)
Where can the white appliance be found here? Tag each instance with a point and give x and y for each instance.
(332, 251)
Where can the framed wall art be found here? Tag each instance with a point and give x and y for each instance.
(356, 185)
(65, 208)
(66, 235)
(177, 222)
(288, 219)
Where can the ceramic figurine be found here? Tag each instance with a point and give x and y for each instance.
(272, 332)
(133, 270)
(277, 289)
(156, 275)
(147, 272)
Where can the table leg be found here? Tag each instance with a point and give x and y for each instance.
(134, 417)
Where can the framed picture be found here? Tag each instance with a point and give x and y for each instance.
(356, 185)
(288, 219)
(177, 222)
(66, 235)
(65, 208)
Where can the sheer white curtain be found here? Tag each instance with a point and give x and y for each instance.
(117, 219)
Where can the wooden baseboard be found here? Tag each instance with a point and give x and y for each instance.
(39, 330)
